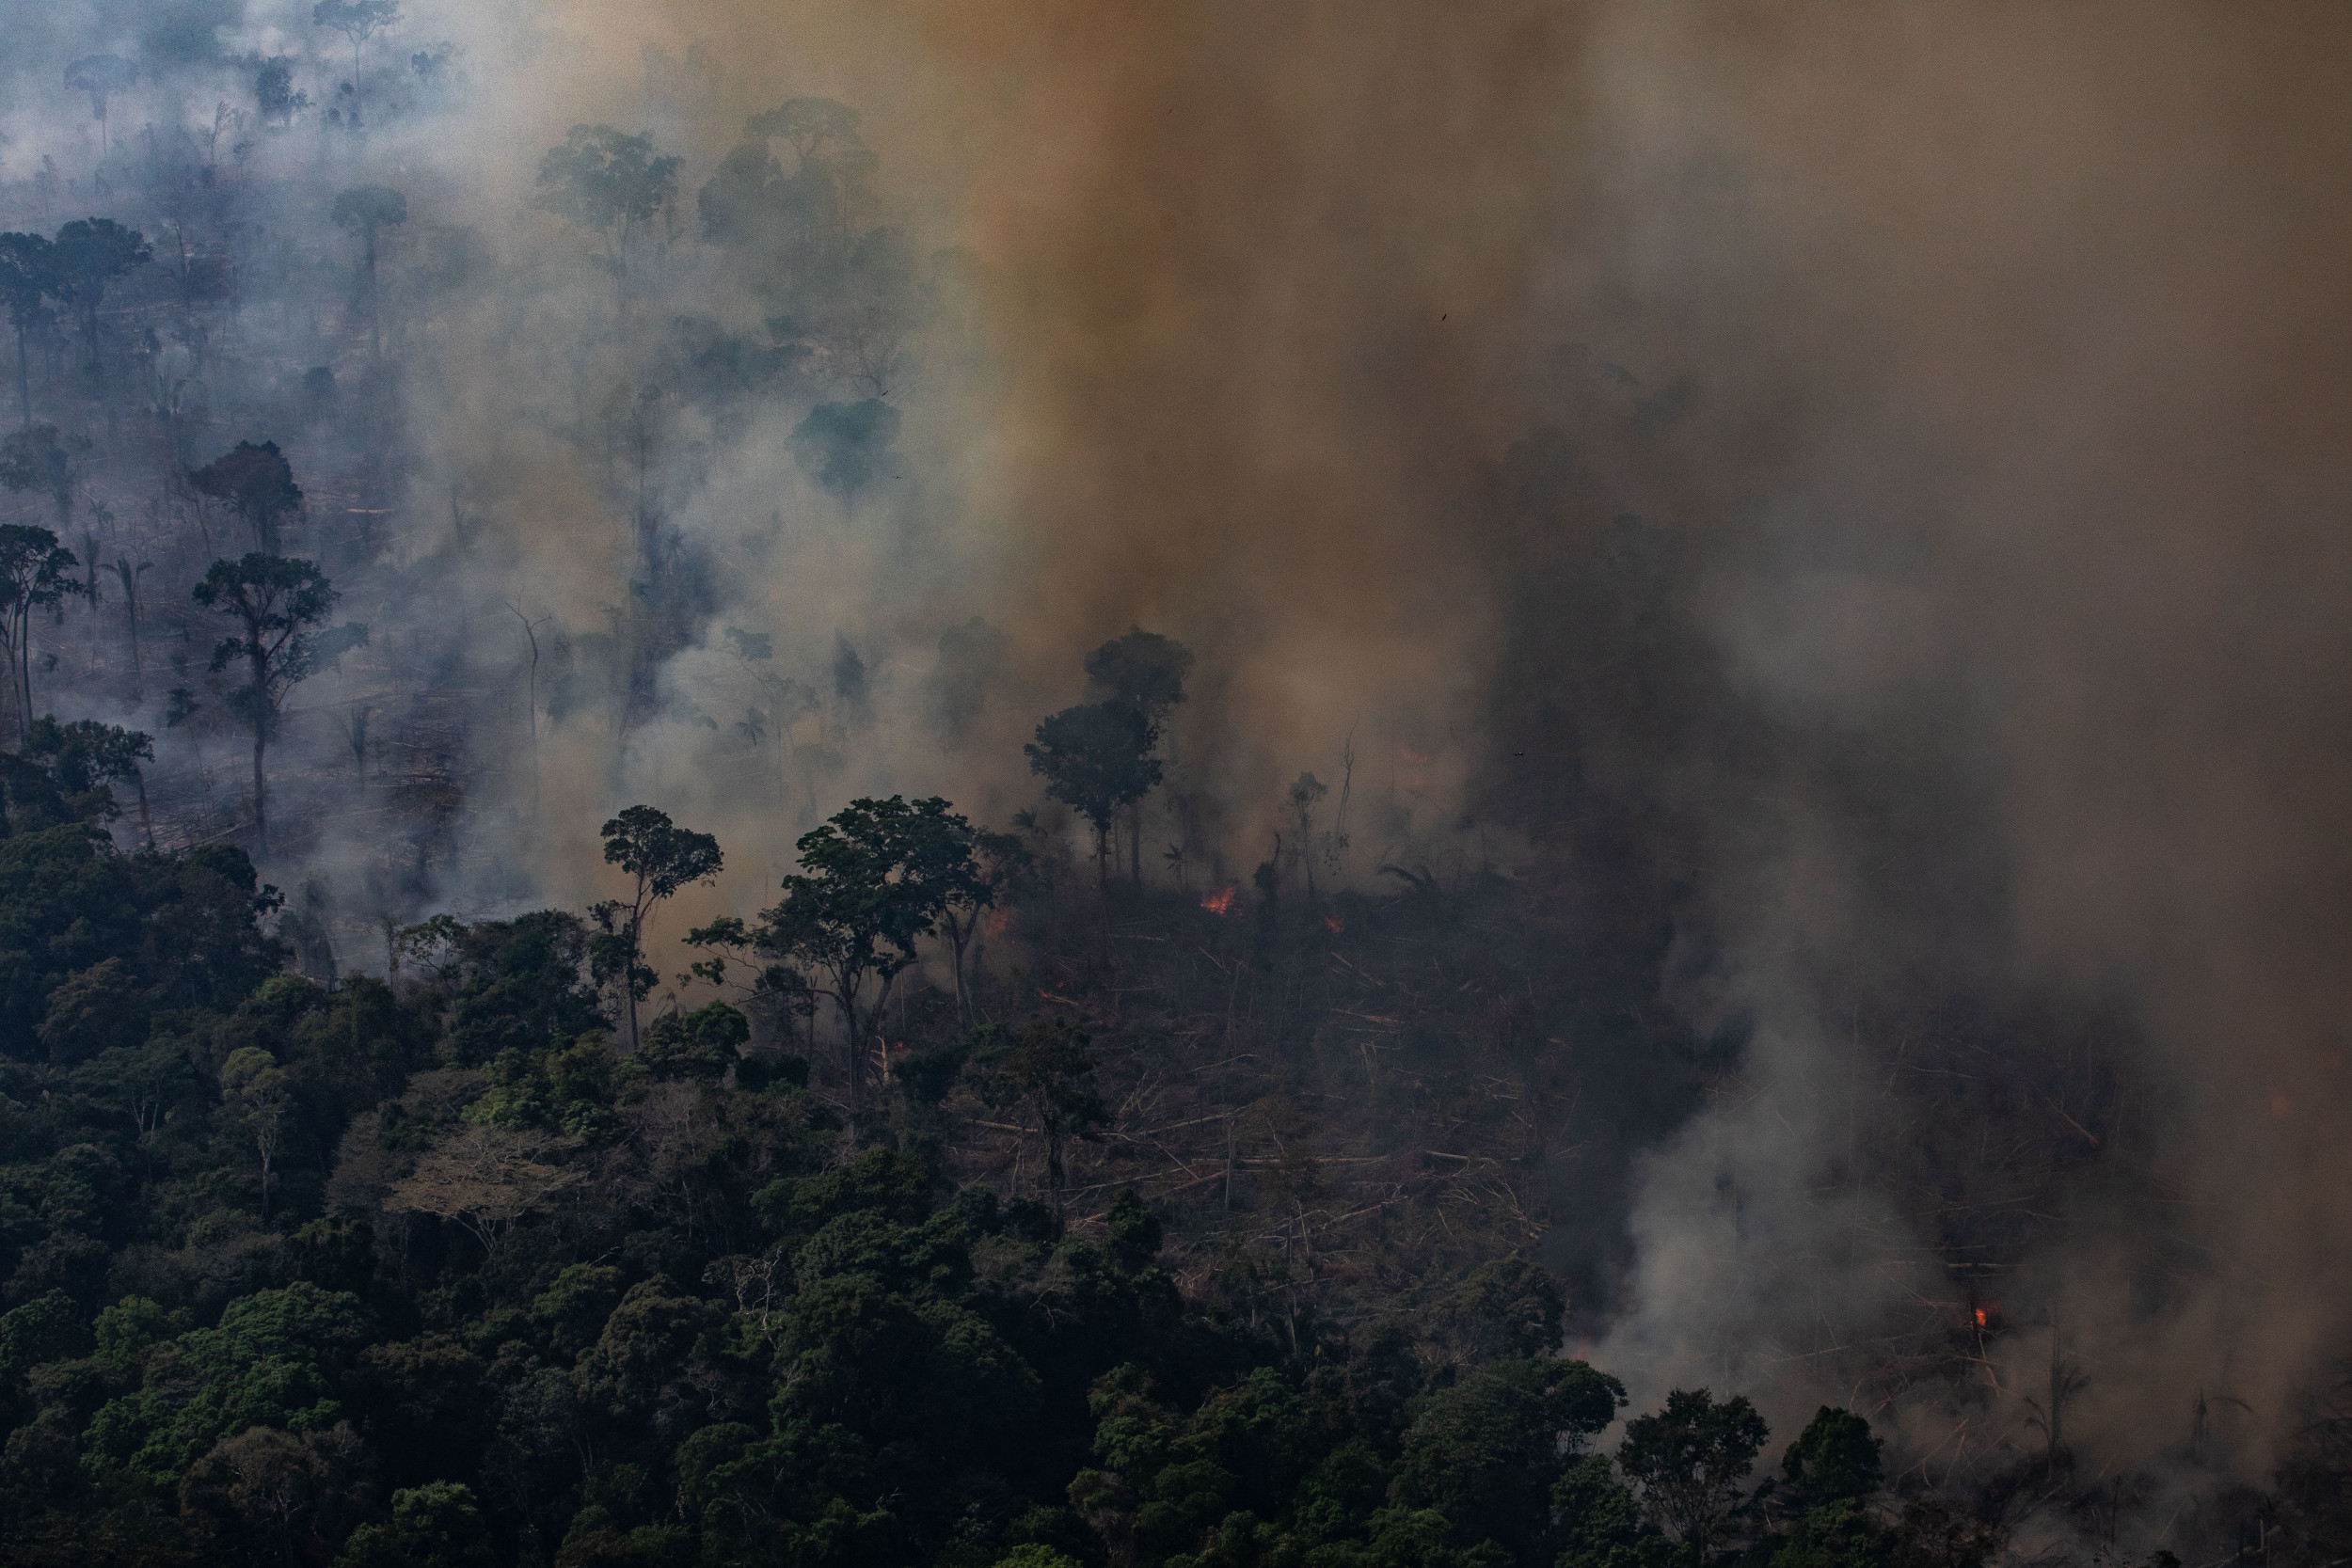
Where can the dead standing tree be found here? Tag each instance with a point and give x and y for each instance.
(531, 710)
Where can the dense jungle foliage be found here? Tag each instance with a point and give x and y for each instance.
(434, 1272)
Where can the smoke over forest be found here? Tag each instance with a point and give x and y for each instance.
(1753, 652)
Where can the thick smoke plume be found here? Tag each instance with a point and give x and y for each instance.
(2011, 463)
(1956, 393)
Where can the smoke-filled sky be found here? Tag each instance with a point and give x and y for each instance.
(1985, 367)
(2020, 359)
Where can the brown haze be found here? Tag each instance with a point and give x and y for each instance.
(2047, 308)
(2020, 351)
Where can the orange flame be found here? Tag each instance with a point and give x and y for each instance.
(1219, 902)
(1979, 1317)
(1334, 925)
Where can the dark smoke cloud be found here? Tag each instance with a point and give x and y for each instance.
(2013, 362)
(1877, 473)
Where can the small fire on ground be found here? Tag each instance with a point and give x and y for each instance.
(1219, 902)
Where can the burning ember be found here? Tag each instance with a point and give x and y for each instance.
(1334, 925)
(1219, 902)
(1979, 1317)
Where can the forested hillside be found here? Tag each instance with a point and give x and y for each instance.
(1202, 786)
(439, 1271)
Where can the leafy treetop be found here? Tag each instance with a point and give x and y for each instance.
(258, 482)
(1142, 669)
(606, 180)
(368, 208)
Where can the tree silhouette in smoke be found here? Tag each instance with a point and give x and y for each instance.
(36, 572)
(279, 605)
(1096, 758)
(258, 484)
(1145, 671)
(662, 858)
(101, 77)
(845, 446)
(84, 756)
(275, 97)
(366, 211)
(40, 460)
(358, 21)
(750, 200)
(1142, 669)
(91, 253)
(874, 879)
(612, 184)
(28, 275)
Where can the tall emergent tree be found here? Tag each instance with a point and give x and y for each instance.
(129, 574)
(1142, 669)
(29, 273)
(611, 184)
(873, 881)
(1000, 863)
(36, 572)
(258, 483)
(356, 20)
(365, 210)
(101, 76)
(663, 858)
(279, 605)
(1146, 671)
(274, 94)
(1096, 759)
(91, 253)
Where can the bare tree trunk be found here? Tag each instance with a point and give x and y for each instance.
(261, 742)
(857, 1053)
(375, 338)
(957, 935)
(261, 812)
(628, 976)
(24, 675)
